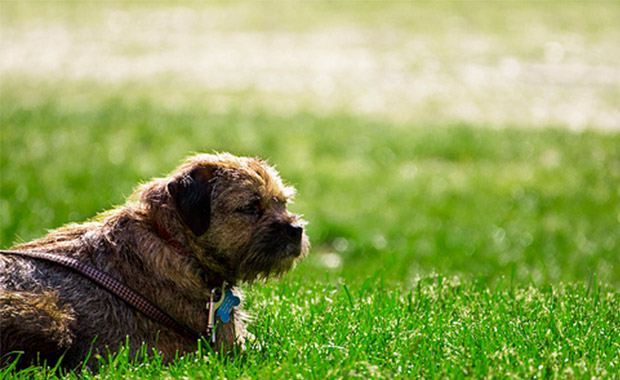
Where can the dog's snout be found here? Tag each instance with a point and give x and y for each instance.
(294, 231)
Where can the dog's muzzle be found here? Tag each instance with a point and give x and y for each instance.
(286, 239)
(294, 233)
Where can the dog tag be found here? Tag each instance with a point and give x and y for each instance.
(230, 300)
(212, 306)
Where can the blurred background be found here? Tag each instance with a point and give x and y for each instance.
(471, 138)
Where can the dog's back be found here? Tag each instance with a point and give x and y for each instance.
(31, 313)
(48, 311)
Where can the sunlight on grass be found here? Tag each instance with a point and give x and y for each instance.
(506, 63)
(440, 328)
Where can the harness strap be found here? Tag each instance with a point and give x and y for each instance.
(117, 288)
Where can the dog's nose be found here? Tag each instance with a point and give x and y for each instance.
(294, 231)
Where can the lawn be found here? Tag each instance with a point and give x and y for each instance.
(448, 241)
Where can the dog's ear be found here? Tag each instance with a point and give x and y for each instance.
(192, 197)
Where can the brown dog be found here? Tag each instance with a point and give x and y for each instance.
(215, 219)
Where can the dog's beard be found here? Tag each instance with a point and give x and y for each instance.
(275, 250)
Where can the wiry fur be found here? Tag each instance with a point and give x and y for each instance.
(206, 205)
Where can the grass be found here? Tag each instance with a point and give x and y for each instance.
(457, 199)
(443, 246)
(524, 63)
(439, 328)
(504, 215)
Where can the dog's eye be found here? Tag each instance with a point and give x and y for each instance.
(254, 209)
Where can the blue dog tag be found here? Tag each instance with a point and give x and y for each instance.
(230, 300)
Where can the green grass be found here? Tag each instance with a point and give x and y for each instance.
(504, 214)
(439, 328)
(487, 248)
(540, 205)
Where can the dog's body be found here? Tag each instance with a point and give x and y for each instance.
(228, 218)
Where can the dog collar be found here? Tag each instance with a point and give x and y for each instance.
(181, 250)
(174, 243)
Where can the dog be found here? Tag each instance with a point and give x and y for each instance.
(215, 222)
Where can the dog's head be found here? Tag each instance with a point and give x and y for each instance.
(235, 210)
